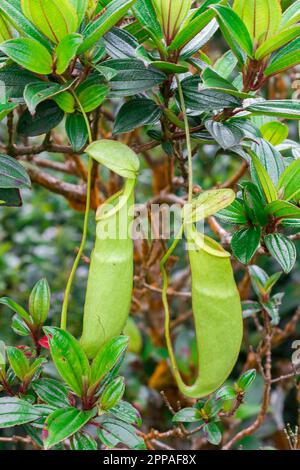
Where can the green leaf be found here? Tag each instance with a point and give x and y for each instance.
(272, 281)
(226, 135)
(91, 95)
(48, 115)
(123, 433)
(14, 412)
(254, 204)
(270, 158)
(289, 109)
(234, 214)
(246, 379)
(114, 12)
(132, 77)
(39, 302)
(80, 8)
(286, 58)
(191, 29)
(108, 356)
(291, 15)
(187, 415)
(66, 50)
(69, 359)
(146, 15)
(36, 93)
(76, 131)
(6, 109)
(245, 243)
(267, 185)
(282, 249)
(202, 38)
(18, 362)
(235, 27)
(83, 441)
(277, 41)
(12, 9)
(275, 132)
(289, 182)
(136, 113)
(206, 99)
(10, 198)
(116, 156)
(262, 17)
(126, 412)
(52, 392)
(226, 64)
(112, 394)
(226, 393)
(250, 308)
(15, 79)
(28, 53)
(19, 326)
(120, 44)
(65, 101)
(258, 279)
(15, 308)
(54, 19)
(283, 210)
(64, 423)
(213, 433)
(169, 67)
(12, 173)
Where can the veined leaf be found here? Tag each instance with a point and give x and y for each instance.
(277, 41)
(48, 115)
(262, 17)
(18, 362)
(192, 28)
(15, 308)
(106, 359)
(245, 242)
(283, 210)
(52, 392)
(13, 11)
(289, 182)
(69, 359)
(6, 109)
(76, 131)
(275, 132)
(54, 18)
(286, 58)
(135, 113)
(270, 159)
(235, 27)
(291, 15)
(80, 8)
(282, 249)
(120, 44)
(14, 412)
(83, 441)
(264, 178)
(12, 173)
(66, 50)
(64, 423)
(35, 93)
(200, 39)
(234, 214)
(227, 136)
(28, 53)
(115, 10)
(289, 109)
(145, 13)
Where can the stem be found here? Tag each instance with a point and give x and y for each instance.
(188, 139)
(64, 313)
